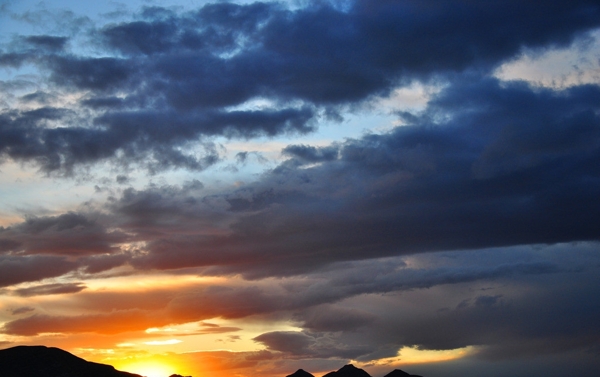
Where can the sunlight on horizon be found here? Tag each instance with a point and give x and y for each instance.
(414, 355)
(149, 368)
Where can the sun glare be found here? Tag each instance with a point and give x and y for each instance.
(149, 369)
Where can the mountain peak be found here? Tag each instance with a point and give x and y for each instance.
(300, 373)
(348, 371)
(400, 373)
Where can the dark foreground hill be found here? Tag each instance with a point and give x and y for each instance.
(40, 361)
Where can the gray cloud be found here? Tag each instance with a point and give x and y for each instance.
(332, 318)
(298, 344)
(22, 310)
(67, 234)
(45, 42)
(50, 289)
(282, 341)
(508, 303)
(513, 167)
(19, 269)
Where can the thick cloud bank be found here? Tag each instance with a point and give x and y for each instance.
(169, 80)
(484, 165)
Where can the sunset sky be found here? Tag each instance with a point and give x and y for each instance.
(248, 188)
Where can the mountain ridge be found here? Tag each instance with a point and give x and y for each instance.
(350, 370)
(51, 362)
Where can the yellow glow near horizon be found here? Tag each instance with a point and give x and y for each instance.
(413, 355)
(410, 355)
(163, 342)
(149, 368)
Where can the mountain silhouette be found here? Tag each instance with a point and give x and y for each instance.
(348, 371)
(41, 361)
(400, 373)
(352, 371)
(300, 373)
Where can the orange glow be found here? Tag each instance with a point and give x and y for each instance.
(147, 368)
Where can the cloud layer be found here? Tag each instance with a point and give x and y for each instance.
(511, 165)
(469, 226)
(169, 79)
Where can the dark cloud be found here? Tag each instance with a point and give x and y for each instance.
(122, 179)
(223, 301)
(555, 365)
(64, 20)
(12, 59)
(99, 263)
(242, 157)
(301, 345)
(286, 341)
(19, 269)
(136, 137)
(103, 102)
(511, 166)
(16, 85)
(524, 317)
(90, 73)
(344, 315)
(505, 165)
(22, 310)
(310, 154)
(487, 300)
(170, 79)
(141, 37)
(332, 318)
(158, 211)
(513, 324)
(312, 300)
(50, 289)
(486, 164)
(7, 244)
(47, 42)
(39, 96)
(67, 234)
(211, 328)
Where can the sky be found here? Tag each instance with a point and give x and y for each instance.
(248, 188)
